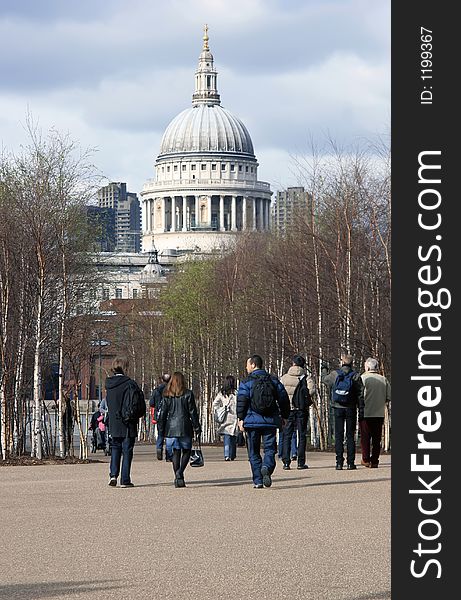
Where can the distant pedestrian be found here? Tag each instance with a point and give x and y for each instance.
(262, 407)
(376, 394)
(346, 389)
(225, 413)
(178, 421)
(294, 445)
(120, 392)
(300, 388)
(155, 402)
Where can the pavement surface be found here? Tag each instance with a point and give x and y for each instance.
(318, 534)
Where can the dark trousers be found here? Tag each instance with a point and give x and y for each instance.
(345, 416)
(122, 447)
(268, 437)
(371, 429)
(297, 421)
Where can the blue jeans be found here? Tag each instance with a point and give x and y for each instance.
(348, 416)
(294, 444)
(268, 436)
(168, 446)
(183, 442)
(122, 447)
(230, 446)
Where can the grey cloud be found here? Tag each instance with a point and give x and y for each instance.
(123, 69)
(54, 10)
(56, 53)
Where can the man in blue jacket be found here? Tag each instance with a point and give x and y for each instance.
(262, 408)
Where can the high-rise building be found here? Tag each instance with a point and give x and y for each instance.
(287, 204)
(102, 221)
(127, 215)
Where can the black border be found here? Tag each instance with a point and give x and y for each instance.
(420, 127)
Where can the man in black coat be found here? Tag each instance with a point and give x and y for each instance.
(345, 412)
(118, 386)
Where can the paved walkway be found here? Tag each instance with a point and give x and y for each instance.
(318, 534)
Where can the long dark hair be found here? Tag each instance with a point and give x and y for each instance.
(228, 386)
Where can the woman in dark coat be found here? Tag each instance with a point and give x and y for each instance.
(179, 420)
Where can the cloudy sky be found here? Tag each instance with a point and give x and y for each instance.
(113, 73)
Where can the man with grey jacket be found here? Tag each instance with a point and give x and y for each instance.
(376, 394)
(297, 375)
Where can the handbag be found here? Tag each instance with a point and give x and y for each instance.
(220, 413)
(196, 455)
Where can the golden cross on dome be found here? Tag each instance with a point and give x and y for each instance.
(205, 38)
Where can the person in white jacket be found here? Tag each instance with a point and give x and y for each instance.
(225, 414)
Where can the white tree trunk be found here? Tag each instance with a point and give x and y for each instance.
(37, 379)
(61, 406)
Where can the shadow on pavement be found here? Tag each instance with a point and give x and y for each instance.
(375, 596)
(322, 483)
(247, 481)
(56, 589)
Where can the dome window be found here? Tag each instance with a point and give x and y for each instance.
(223, 167)
(203, 166)
(175, 167)
(232, 167)
(240, 168)
(192, 167)
(252, 169)
(184, 167)
(213, 167)
(246, 169)
(168, 169)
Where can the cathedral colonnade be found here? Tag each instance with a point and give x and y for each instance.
(211, 212)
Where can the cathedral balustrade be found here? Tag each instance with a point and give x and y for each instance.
(199, 184)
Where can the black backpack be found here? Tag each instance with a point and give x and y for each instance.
(134, 404)
(301, 397)
(264, 398)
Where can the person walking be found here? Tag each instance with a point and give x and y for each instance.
(225, 412)
(300, 388)
(262, 407)
(155, 402)
(376, 394)
(346, 389)
(294, 445)
(120, 391)
(178, 421)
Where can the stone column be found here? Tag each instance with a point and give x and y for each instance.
(244, 213)
(261, 214)
(234, 214)
(197, 211)
(254, 214)
(173, 213)
(208, 210)
(221, 213)
(164, 213)
(184, 213)
(144, 212)
(268, 205)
